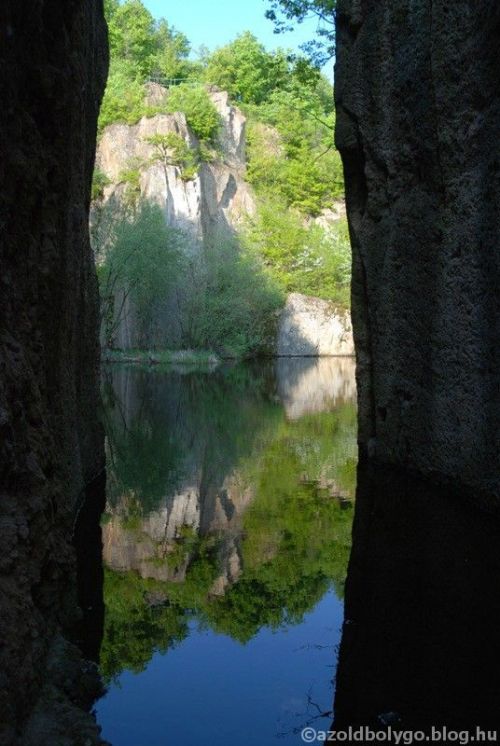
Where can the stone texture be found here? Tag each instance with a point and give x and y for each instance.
(313, 327)
(330, 215)
(418, 115)
(53, 63)
(233, 131)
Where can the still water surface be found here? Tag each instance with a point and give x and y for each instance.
(226, 540)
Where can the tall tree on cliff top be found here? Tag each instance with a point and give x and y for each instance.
(283, 13)
(146, 46)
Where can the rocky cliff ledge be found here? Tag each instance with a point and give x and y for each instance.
(53, 63)
(209, 205)
(418, 115)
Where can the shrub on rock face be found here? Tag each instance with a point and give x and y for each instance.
(124, 97)
(99, 182)
(201, 115)
(172, 150)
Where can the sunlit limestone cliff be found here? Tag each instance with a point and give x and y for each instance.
(204, 194)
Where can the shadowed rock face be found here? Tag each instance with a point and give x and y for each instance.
(418, 113)
(53, 62)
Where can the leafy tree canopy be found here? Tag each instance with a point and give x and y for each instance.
(284, 13)
(246, 70)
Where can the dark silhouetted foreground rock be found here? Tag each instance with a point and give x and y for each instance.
(418, 119)
(53, 61)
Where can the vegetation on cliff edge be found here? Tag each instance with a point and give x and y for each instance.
(228, 300)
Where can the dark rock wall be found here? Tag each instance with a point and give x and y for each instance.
(418, 122)
(53, 64)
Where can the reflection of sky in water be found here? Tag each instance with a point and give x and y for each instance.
(251, 539)
(212, 690)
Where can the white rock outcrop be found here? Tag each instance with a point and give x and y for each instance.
(311, 327)
(232, 136)
(214, 202)
(212, 205)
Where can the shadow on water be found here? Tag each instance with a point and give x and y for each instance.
(421, 641)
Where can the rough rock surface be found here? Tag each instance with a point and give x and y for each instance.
(211, 204)
(313, 327)
(232, 135)
(53, 63)
(418, 115)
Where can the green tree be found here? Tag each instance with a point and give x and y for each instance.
(133, 629)
(124, 97)
(172, 51)
(246, 70)
(172, 150)
(138, 258)
(110, 8)
(232, 304)
(132, 35)
(284, 13)
(295, 159)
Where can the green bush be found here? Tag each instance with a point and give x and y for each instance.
(131, 177)
(233, 309)
(172, 150)
(323, 267)
(124, 97)
(99, 182)
(201, 115)
(291, 154)
(301, 257)
(139, 258)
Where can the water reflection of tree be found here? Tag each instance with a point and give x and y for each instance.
(296, 546)
(295, 536)
(181, 424)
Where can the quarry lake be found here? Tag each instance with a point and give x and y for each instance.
(226, 538)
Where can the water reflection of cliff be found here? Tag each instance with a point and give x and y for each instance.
(229, 491)
(307, 386)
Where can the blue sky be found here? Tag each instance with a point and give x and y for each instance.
(216, 22)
